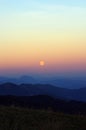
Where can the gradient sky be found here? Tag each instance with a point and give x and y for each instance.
(49, 30)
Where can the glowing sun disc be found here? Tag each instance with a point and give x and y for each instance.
(42, 63)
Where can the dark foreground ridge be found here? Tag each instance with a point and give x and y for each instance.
(44, 102)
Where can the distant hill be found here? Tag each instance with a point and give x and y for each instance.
(63, 82)
(43, 89)
(22, 79)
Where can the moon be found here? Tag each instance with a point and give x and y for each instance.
(42, 63)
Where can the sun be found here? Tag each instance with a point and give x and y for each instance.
(42, 63)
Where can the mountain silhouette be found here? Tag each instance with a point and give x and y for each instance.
(55, 81)
(43, 89)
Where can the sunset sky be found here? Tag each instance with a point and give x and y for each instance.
(49, 31)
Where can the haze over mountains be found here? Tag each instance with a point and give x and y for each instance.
(67, 82)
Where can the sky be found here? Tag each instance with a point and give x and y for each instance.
(53, 31)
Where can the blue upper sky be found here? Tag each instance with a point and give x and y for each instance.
(31, 4)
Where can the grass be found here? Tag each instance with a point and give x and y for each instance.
(12, 118)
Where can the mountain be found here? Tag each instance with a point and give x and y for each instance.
(19, 90)
(67, 82)
(18, 80)
(43, 89)
(73, 83)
